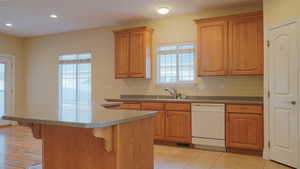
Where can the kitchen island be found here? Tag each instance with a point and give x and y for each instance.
(103, 139)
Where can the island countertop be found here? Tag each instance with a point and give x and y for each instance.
(96, 119)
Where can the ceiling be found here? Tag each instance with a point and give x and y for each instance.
(31, 17)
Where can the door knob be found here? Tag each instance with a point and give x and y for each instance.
(293, 102)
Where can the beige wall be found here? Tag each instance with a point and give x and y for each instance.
(42, 53)
(276, 11)
(10, 45)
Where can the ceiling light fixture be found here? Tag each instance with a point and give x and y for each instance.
(163, 10)
(53, 16)
(9, 24)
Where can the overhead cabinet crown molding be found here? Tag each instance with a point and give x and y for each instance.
(231, 45)
(133, 55)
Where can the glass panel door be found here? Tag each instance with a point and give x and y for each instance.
(2, 89)
(5, 88)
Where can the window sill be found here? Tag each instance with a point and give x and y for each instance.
(179, 84)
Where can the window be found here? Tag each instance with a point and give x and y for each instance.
(6, 87)
(176, 64)
(2, 89)
(75, 87)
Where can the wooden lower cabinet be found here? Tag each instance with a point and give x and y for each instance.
(130, 106)
(244, 129)
(178, 126)
(159, 125)
(172, 122)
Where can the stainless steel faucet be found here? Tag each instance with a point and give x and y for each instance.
(173, 92)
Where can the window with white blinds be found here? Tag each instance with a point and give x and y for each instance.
(176, 63)
(75, 87)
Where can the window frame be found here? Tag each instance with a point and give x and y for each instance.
(177, 83)
(10, 102)
(59, 62)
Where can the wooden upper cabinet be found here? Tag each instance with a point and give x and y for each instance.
(231, 45)
(137, 59)
(133, 52)
(212, 45)
(246, 45)
(122, 54)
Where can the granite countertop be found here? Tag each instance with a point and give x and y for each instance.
(188, 99)
(97, 119)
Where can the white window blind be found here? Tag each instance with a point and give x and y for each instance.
(75, 87)
(176, 63)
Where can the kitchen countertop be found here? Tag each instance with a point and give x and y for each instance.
(97, 119)
(188, 99)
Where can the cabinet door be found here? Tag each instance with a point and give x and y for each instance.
(159, 118)
(178, 126)
(246, 45)
(137, 60)
(159, 125)
(212, 48)
(122, 42)
(244, 131)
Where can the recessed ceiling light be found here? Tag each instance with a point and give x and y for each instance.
(53, 16)
(163, 10)
(9, 24)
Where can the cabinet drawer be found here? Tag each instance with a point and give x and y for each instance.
(178, 106)
(152, 106)
(234, 108)
(131, 106)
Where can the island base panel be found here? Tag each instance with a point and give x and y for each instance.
(78, 148)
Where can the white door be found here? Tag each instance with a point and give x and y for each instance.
(6, 105)
(283, 55)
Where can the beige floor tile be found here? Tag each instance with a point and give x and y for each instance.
(274, 165)
(236, 161)
(204, 160)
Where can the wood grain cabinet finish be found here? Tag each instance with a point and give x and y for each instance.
(159, 119)
(212, 48)
(231, 45)
(244, 129)
(133, 53)
(246, 45)
(172, 122)
(122, 54)
(130, 106)
(178, 126)
(159, 125)
(178, 106)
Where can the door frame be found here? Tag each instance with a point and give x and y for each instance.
(11, 61)
(268, 28)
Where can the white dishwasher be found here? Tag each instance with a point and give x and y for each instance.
(208, 126)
